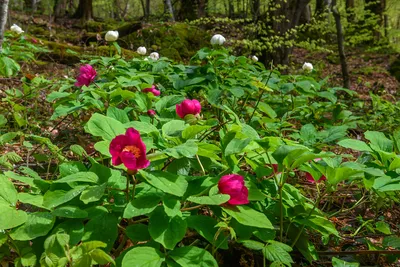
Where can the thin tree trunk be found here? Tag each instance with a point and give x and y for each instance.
(3, 20)
(255, 9)
(148, 8)
(170, 9)
(84, 10)
(340, 40)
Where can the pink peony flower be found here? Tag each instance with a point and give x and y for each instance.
(86, 75)
(152, 90)
(188, 107)
(130, 150)
(151, 112)
(233, 185)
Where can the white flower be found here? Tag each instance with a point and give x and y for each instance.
(17, 29)
(111, 36)
(154, 56)
(254, 58)
(307, 67)
(141, 50)
(217, 39)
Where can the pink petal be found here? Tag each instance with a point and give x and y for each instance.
(129, 160)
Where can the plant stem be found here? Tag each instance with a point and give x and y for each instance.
(201, 165)
(192, 208)
(281, 212)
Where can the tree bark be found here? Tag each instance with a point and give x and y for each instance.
(60, 7)
(255, 9)
(84, 10)
(202, 8)
(340, 41)
(187, 10)
(170, 9)
(3, 20)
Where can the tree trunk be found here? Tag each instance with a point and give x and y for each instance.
(60, 7)
(374, 8)
(231, 8)
(169, 9)
(187, 10)
(147, 8)
(340, 41)
(3, 20)
(350, 10)
(255, 9)
(84, 10)
(202, 8)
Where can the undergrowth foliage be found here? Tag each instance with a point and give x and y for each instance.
(190, 161)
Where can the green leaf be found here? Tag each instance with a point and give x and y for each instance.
(73, 228)
(102, 228)
(206, 227)
(340, 263)
(142, 127)
(264, 107)
(28, 259)
(143, 257)
(70, 212)
(93, 193)
(103, 147)
(52, 199)
(101, 257)
(8, 67)
(186, 150)
(277, 251)
(210, 200)
(308, 134)
(167, 182)
(10, 217)
(355, 145)
(7, 137)
(391, 241)
(383, 228)
(193, 257)
(236, 146)
(174, 128)
(117, 114)
(37, 224)
(191, 131)
(86, 177)
(166, 230)
(142, 205)
(252, 244)
(379, 141)
(167, 102)
(106, 127)
(8, 193)
(247, 216)
(138, 232)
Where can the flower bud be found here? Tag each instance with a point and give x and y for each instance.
(151, 112)
(217, 39)
(233, 185)
(188, 107)
(141, 50)
(152, 90)
(111, 36)
(254, 58)
(87, 74)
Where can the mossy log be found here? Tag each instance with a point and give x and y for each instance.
(123, 31)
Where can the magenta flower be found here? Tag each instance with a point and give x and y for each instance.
(188, 107)
(152, 90)
(151, 112)
(233, 185)
(130, 150)
(86, 75)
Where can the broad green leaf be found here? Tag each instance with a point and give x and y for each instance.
(103, 147)
(340, 263)
(193, 257)
(85, 177)
(10, 217)
(205, 226)
(142, 127)
(210, 200)
(8, 193)
(252, 244)
(37, 224)
(106, 127)
(102, 228)
(138, 232)
(7, 137)
(143, 257)
(52, 199)
(236, 146)
(166, 230)
(167, 182)
(247, 216)
(101, 257)
(117, 114)
(8, 66)
(355, 145)
(70, 212)
(320, 224)
(379, 141)
(93, 193)
(74, 229)
(193, 130)
(142, 205)
(186, 150)
(174, 128)
(391, 241)
(383, 228)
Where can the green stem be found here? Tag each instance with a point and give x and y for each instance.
(281, 211)
(134, 186)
